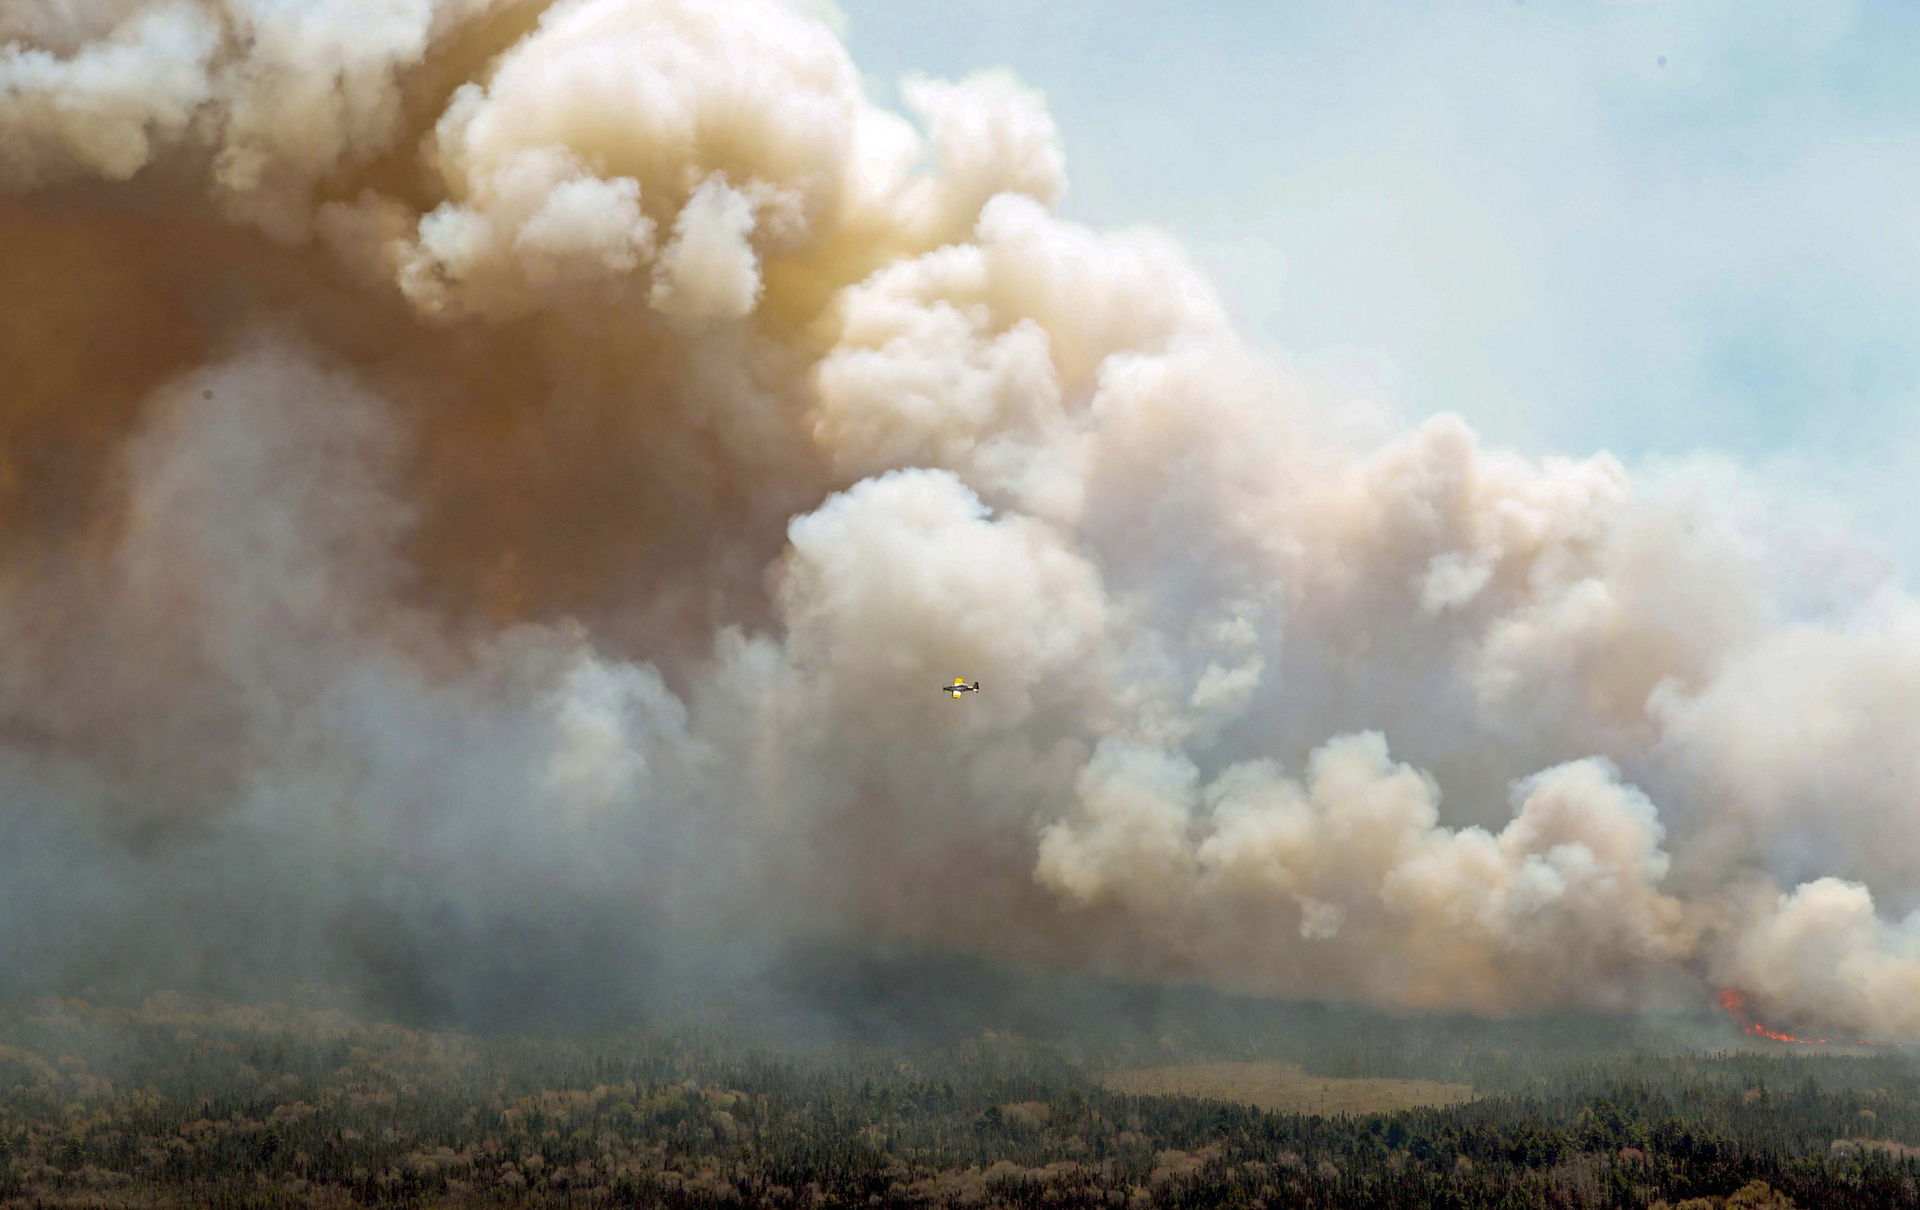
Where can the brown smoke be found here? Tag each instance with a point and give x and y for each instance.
(477, 478)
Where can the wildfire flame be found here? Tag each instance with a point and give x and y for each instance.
(1736, 1005)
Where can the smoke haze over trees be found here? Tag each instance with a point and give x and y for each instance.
(177, 1101)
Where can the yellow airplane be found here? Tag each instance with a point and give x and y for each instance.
(959, 687)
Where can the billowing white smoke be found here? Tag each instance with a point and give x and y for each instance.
(551, 455)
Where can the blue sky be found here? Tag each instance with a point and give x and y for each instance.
(1516, 210)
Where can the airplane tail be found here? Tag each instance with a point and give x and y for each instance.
(976, 686)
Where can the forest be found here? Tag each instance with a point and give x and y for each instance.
(178, 1101)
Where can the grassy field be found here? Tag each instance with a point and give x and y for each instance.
(1285, 1088)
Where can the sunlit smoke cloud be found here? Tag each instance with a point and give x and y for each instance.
(490, 492)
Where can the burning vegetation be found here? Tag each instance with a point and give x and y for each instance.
(1735, 1005)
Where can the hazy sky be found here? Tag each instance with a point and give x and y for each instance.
(1661, 228)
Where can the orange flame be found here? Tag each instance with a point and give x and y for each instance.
(1736, 1006)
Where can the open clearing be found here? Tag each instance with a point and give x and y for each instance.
(1285, 1088)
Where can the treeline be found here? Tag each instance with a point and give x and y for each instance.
(172, 1102)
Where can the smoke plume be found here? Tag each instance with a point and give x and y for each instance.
(489, 490)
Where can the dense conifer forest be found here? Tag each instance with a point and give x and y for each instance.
(178, 1102)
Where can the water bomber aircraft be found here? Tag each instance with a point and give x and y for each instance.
(959, 687)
